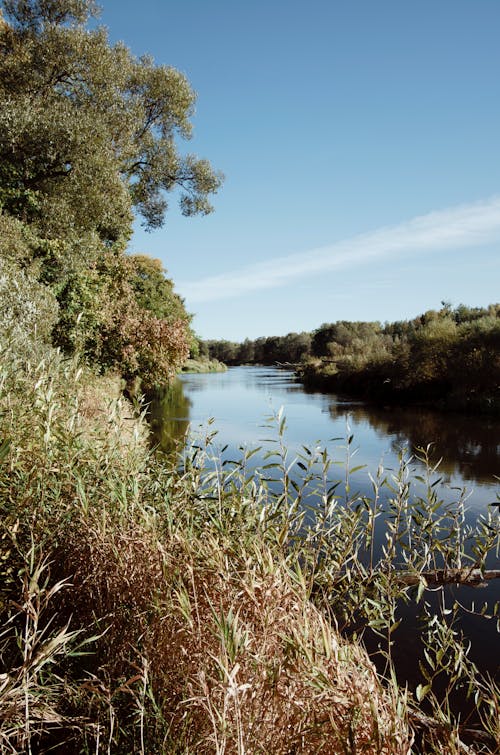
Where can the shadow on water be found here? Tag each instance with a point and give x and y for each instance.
(168, 417)
(469, 446)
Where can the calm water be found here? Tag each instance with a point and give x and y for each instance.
(241, 399)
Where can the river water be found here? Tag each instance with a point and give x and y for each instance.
(240, 400)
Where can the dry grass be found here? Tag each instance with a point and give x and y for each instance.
(238, 659)
(202, 640)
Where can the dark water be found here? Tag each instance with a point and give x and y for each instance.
(240, 400)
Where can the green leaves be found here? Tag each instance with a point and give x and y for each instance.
(87, 130)
(87, 133)
(38, 13)
(422, 691)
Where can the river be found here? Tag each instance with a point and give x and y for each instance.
(240, 400)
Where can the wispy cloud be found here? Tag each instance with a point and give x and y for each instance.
(459, 226)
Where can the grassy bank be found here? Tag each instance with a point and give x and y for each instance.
(203, 365)
(179, 610)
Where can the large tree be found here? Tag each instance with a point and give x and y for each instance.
(88, 134)
(88, 131)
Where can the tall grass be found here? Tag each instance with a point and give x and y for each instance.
(207, 609)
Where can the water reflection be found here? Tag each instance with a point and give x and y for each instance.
(168, 416)
(469, 446)
(248, 379)
(240, 398)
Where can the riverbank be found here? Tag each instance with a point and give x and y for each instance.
(199, 366)
(207, 623)
(373, 384)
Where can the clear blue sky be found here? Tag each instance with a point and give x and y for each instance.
(336, 123)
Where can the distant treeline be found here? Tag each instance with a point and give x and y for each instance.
(267, 350)
(449, 356)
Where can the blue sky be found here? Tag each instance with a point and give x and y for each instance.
(360, 140)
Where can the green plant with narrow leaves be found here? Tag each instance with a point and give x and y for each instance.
(211, 592)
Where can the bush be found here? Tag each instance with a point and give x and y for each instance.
(29, 309)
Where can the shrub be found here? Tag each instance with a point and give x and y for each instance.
(29, 308)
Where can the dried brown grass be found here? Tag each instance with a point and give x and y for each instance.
(203, 640)
(239, 661)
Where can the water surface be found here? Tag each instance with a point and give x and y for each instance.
(240, 400)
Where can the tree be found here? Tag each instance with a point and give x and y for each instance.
(103, 316)
(88, 134)
(296, 346)
(88, 131)
(323, 336)
(246, 353)
(153, 291)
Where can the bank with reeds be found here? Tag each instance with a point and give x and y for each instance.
(146, 609)
(180, 608)
(201, 365)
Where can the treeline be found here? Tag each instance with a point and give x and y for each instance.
(88, 137)
(449, 356)
(291, 348)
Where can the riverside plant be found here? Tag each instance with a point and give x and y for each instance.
(209, 593)
(361, 559)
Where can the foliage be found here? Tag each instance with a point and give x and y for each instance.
(153, 291)
(105, 317)
(202, 365)
(96, 310)
(88, 133)
(449, 356)
(30, 692)
(86, 128)
(28, 308)
(290, 348)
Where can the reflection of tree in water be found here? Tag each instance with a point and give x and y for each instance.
(468, 445)
(266, 379)
(168, 416)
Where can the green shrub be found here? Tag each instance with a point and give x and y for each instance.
(28, 308)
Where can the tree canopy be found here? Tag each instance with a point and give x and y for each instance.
(87, 130)
(89, 136)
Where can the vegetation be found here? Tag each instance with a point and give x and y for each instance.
(203, 365)
(87, 135)
(450, 357)
(87, 129)
(149, 607)
(191, 603)
(107, 552)
(291, 349)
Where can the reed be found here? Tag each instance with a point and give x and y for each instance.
(186, 607)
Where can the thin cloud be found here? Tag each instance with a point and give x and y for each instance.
(452, 228)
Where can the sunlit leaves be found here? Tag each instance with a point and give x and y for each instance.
(87, 129)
